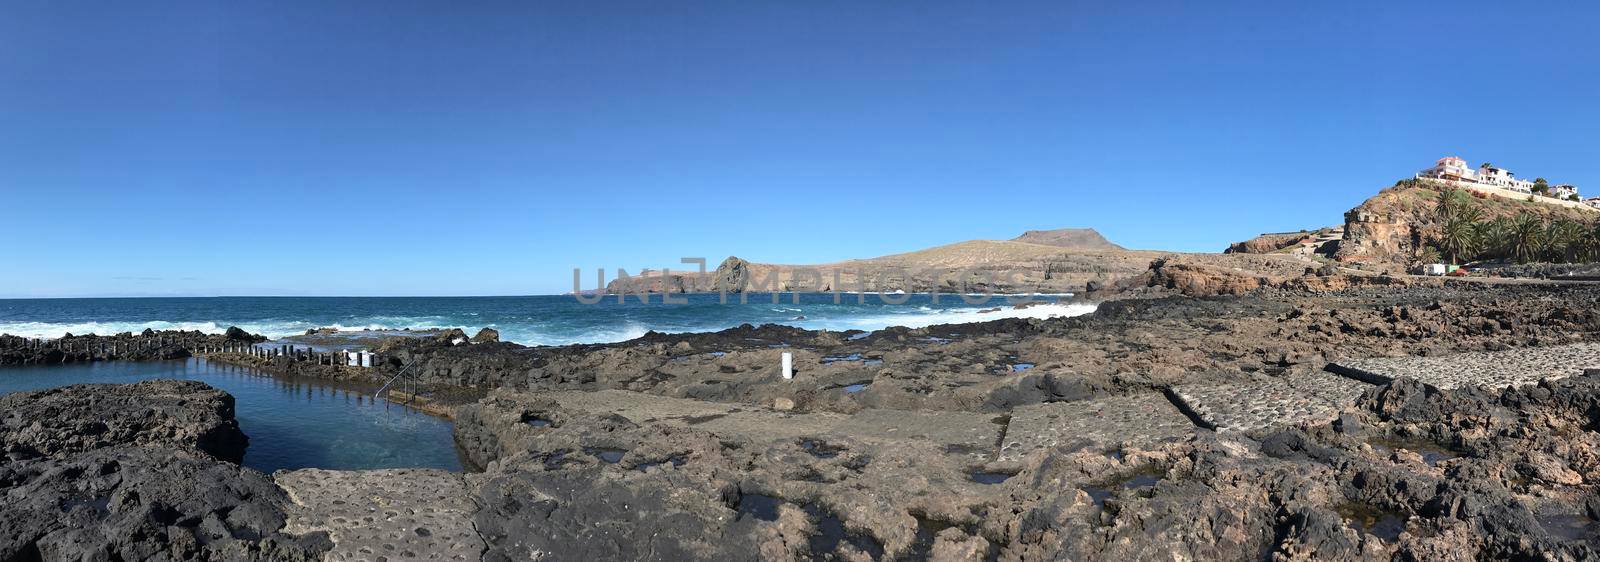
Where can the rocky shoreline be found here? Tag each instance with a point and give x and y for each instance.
(1162, 425)
(149, 345)
(146, 471)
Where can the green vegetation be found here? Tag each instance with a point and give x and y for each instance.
(1465, 235)
(1459, 237)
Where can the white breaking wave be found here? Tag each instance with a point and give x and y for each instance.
(534, 334)
(56, 330)
(526, 336)
(269, 328)
(949, 316)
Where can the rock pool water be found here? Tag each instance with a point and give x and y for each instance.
(292, 422)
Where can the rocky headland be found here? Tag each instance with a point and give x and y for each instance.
(1393, 230)
(1045, 261)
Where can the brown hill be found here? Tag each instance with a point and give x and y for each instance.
(1001, 265)
(1073, 238)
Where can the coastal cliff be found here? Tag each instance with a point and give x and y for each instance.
(1388, 231)
(1047, 261)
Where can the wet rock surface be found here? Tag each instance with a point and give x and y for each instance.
(135, 472)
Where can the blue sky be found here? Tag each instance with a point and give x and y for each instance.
(459, 148)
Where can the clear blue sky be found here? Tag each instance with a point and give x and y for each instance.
(441, 148)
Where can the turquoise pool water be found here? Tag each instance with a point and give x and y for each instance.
(292, 423)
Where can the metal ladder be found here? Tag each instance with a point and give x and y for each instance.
(383, 390)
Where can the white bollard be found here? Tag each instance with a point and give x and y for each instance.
(788, 366)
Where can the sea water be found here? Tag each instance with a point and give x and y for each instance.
(292, 422)
(534, 320)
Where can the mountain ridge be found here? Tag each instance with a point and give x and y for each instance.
(1060, 260)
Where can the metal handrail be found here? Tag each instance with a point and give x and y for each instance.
(382, 390)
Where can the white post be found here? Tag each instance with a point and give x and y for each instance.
(788, 366)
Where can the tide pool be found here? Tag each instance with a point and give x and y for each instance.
(292, 422)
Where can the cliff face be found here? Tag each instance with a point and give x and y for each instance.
(1205, 275)
(1267, 243)
(730, 274)
(1386, 231)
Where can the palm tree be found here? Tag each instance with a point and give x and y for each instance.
(1450, 201)
(1526, 240)
(1492, 236)
(1557, 239)
(1459, 236)
(1591, 244)
(1566, 241)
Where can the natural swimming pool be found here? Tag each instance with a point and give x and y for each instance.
(292, 422)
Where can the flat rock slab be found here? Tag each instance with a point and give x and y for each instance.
(404, 514)
(1267, 403)
(1143, 420)
(1493, 369)
(1341, 391)
(968, 434)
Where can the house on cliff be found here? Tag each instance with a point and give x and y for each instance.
(1454, 169)
(1450, 168)
(1504, 179)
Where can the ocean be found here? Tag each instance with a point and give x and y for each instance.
(528, 320)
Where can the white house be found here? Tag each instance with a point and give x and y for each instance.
(1592, 202)
(1450, 168)
(1563, 191)
(1503, 178)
